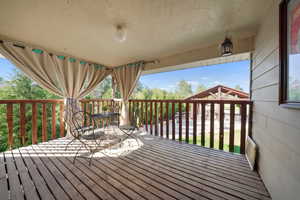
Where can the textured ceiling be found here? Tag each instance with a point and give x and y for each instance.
(155, 28)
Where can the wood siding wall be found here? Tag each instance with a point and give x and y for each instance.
(276, 130)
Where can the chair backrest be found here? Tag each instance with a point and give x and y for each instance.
(77, 122)
(70, 109)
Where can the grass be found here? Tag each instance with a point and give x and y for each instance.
(216, 141)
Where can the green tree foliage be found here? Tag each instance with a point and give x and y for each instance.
(184, 89)
(21, 87)
(238, 87)
(201, 88)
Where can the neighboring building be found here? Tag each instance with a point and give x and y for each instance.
(220, 92)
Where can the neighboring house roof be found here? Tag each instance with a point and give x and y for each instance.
(224, 89)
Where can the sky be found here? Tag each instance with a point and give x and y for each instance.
(6, 68)
(229, 74)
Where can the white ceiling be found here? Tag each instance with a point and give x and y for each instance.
(155, 28)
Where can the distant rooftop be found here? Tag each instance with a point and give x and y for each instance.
(222, 89)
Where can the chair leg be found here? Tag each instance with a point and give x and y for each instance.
(69, 143)
(77, 154)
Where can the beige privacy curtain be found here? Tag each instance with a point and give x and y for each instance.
(126, 78)
(63, 76)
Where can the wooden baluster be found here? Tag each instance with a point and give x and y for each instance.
(187, 123)
(61, 117)
(142, 114)
(212, 125)
(93, 112)
(88, 120)
(129, 109)
(83, 109)
(231, 129)
(167, 119)
(146, 115)
(173, 121)
(22, 123)
(53, 126)
(221, 134)
(137, 114)
(161, 120)
(102, 120)
(194, 123)
(44, 122)
(180, 121)
(203, 124)
(250, 120)
(243, 128)
(155, 118)
(98, 106)
(34, 124)
(93, 107)
(10, 124)
(151, 118)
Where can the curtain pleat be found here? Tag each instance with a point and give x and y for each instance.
(127, 77)
(65, 78)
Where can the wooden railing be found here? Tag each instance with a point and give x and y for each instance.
(221, 124)
(24, 118)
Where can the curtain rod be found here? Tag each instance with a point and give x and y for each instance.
(156, 61)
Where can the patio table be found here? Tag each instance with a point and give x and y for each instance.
(106, 115)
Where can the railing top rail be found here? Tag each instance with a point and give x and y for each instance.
(240, 101)
(228, 101)
(89, 100)
(14, 101)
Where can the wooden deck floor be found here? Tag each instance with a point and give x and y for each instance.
(160, 169)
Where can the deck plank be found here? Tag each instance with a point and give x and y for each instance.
(3, 178)
(60, 178)
(27, 183)
(160, 169)
(16, 190)
(57, 191)
(38, 180)
(192, 176)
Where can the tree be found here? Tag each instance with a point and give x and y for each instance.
(238, 87)
(21, 87)
(200, 88)
(184, 89)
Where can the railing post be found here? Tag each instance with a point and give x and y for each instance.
(151, 118)
(44, 122)
(53, 126)
(161, 120)
(250, 119)
(173, 121)
(167, 119)
(61, 118)
(10, 124)
(243, 128)
(155, 118)
(187, 123)
(22, 123)
(180, 121)
(203, 124)
(212, 125)
(221, 134)
(194, 123)
(231, 129)
(146, 117)
(34, 124)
